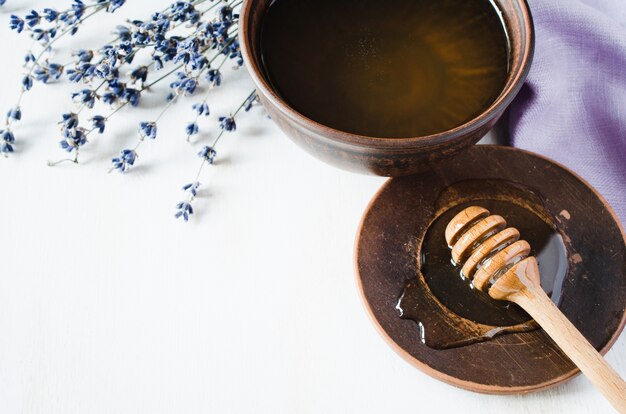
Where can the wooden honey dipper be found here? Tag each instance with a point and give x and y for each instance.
(498, 262)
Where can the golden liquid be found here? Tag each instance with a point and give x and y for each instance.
(446, 283)
(458, 295)
(386, 68)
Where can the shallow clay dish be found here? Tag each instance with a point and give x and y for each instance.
(593, 295)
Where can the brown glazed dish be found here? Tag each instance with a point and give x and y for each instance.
(378, 155)
(389, 254)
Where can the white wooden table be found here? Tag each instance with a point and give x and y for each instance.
(109, 305)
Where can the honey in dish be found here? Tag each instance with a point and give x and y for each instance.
(457, 294)
(386, 68)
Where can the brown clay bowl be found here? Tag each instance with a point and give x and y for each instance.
(593, 296)
(379, 155)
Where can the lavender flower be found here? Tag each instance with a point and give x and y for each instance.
(226, 14)
(248, 103)
(126, 159)
(15, 113)
(17, 24)
(50, 14)
(184, 210)
(69, 120)
(185, 84)
(73, 139)
(227, 123)
(45, 73)
(192, 129)
(8, 139)
(192, 188)
(131, 96)
(208, 154)
(32, 19)
(86, 97)
(139, 74)
(148, 129)
(201, 109)
(113, 4)
(27, 82)
(99, 123)
(84, 56)
(214, 76)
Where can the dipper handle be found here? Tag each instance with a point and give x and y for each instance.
(534, 300)
(496, 261)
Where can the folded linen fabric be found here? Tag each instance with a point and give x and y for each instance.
(572, 108)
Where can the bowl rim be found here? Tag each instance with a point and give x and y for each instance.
(503, 100)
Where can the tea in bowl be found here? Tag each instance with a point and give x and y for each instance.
(386, 87)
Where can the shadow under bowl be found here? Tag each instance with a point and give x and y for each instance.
(387, 156)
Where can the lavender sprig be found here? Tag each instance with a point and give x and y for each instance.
(46, 27)
(184, 40)
(214, 77)
(118, 93)
(146, 130)
(71, 126)
(185, 85)
(184, 209)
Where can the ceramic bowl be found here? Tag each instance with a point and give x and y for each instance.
(379, 155)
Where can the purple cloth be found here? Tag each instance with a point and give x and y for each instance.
(573, 106)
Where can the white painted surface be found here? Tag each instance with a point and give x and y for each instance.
(109, 305)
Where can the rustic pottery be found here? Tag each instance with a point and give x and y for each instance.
(593, 293)
(379, 155)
